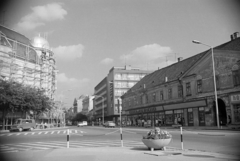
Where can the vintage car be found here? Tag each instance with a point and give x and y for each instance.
(109, 124)
(23, 124)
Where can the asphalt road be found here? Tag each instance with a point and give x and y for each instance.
(224, 142)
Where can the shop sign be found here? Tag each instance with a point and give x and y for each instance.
(152, 109)
(235, 98)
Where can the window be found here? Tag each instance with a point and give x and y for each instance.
(141, 99)
(124, 76)
(117, 76)
(170, 93)
(154, 97)
(236, 77)
(188, 89)
(180, 91)
(199, 86)
(146, 96)
(161, 95)
(135, 100)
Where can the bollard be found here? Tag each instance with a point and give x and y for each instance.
(68, 138)
(121, 136)
(181, 137)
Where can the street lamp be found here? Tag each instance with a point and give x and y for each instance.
(102, 107)
(214, 77)
(62, 105)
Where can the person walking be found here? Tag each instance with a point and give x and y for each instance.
(229, 119)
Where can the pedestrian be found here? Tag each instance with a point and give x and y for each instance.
(229, 119)
(156, 122)
(183, 121)
(142, 122)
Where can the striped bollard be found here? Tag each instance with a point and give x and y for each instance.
(121, 136)
(181, 137)
(68, 138)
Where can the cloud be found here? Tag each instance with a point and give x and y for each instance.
(151, 56)
(69, 53)
(42, 14)
(63, 78)
(106, 61)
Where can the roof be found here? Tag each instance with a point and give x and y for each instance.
(14, 35)
(175, 71)
(231, 45)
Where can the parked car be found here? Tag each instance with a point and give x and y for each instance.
(23, 124)
(83, 123)
(109, 124)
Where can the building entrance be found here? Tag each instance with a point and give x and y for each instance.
(222, 113)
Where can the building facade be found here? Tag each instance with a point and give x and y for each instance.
(87, 104)
(114, 85)
(185, 90)
(26, 61)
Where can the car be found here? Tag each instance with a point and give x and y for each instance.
(23, 124)
(109, 124)
(82, 123)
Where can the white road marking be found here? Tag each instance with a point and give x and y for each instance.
(52, 132)
(46, 132)
(39, 133)
(25, 133)
(33, 133)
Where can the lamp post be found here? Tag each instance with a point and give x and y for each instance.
(214, 78)
(102, 107)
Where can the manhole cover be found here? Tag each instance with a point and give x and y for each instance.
(197, 155)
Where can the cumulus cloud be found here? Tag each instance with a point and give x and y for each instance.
(151, 56)
(63, 78)
(106, 61)
(42, 14)
(69, 53)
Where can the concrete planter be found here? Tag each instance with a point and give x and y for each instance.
(156, 144)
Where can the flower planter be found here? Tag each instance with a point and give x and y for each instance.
(156, 144)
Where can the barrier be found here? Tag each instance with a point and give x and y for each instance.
(181, 137)
(68, 138)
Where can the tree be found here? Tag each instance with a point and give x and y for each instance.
(80, 117)
(17, 97)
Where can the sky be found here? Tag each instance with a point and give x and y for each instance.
(89, 37)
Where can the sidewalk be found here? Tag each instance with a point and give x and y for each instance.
(116, 154)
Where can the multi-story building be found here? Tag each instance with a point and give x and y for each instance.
(186, 90)
(27, 61)
(107, 92)
(87, 104)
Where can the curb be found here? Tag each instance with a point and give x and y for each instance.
(5, 131)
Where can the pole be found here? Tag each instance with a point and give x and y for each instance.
(102, 110)
(120, 113)
(215, 87)
(68, 138)
(181, 137)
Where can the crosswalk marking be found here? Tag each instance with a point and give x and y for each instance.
(7, 148)
(43, 132)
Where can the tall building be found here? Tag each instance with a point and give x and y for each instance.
(87, 104)
(27, 61)
(114, 85)
(185, 90)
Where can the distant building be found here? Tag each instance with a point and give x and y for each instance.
(87, 104)
(114, 85)
(185, 90)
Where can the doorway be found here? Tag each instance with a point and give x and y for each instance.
(222, 113)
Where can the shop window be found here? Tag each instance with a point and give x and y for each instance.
(146, 96)
(170, 93)
(180, 91)
(188, 89)
(199, 86)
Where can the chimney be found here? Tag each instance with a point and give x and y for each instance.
(235, 35)
(180, 59)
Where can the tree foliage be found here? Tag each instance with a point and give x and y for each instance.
(80, 117)
(16, 97)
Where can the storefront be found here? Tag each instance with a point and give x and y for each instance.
(235, 107)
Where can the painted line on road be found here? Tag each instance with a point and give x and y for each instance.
(18, 133)
(58, 132)
(39, 133)
(2, 134)
(10, 134)
(211, 134)
(25, 133)
(52, 132)
(46, 132)
(33, 133)
(75, 131)
(42, 145)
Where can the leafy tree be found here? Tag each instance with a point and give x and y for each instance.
(80, 117)
(17, 97)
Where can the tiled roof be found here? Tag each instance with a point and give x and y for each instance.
(231, 45)
(14, 35)
(174, 71)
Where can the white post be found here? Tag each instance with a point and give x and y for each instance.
(181, 137)
(67, 138)
(120, 111)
